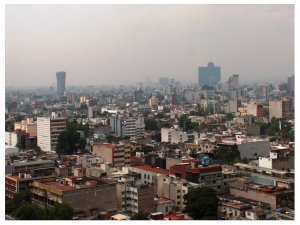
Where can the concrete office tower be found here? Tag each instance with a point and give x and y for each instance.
(61, 83)
(291, 85)
(209, 75)
(233, 82)
(48, 130)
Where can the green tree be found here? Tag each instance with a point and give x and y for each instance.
(18, 201)
(166, 110)
(227, 154)
(187, 124)
(147, 148)
(160, 115)
(28, 212)
(165, 124)
(157, 137)
(9, 126)
(112, 139)
(229, 116)
(140, 216)
(69, 140)
(61, 211)
(201, 203)
(263, 128)
(151, 124)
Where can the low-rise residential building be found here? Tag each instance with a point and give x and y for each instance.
(175, 189)
(18, 184)
(85, 196)
(206, 176)
(134, 197)
(175, 136)
(233, 209)
(165, 206)
(276, 197)
(35, 168)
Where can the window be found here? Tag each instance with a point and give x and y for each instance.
(148, 177)
(178, 191)
(145, 176)
(166, 208)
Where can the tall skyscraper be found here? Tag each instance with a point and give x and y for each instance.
(291, 85)
(233, 82)
(61, 83)
(209, 75)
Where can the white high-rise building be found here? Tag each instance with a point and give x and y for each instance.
(48, 130)
(127, 126)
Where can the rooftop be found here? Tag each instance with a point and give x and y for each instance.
(162, 201)
(177, 216)
(59, 186)
(151, 169)
(120, 217)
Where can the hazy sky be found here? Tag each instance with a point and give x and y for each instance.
(115, 44)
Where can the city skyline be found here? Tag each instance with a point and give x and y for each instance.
(122, 44)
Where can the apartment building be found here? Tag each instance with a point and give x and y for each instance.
(27, 125)
(48, 130)
(175, 136)
(206, 176)
(123, 126)
(283, 108)
(134, 197)
(85, 196)
(115, 154)
(175, 189)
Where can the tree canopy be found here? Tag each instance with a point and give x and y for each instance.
(59, 212)
(187, 124)
(28, 212)
(21, 208)
(151, 124)
(226, 154)
(69, 140)
(201, 203)
(272, 129)
(140, 216)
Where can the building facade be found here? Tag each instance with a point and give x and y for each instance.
(134, 127)
(48, 130)
(61, 83)
(115, 154)
(209, 75)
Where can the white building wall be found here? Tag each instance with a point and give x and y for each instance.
(44, 133)
(265, 162)
(11, 138)
(165, 134)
